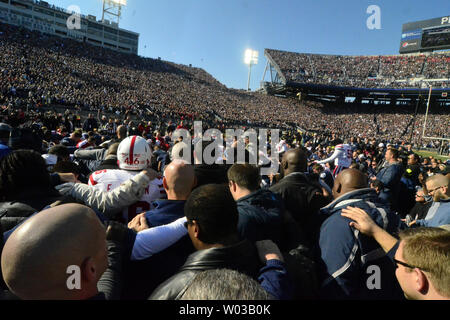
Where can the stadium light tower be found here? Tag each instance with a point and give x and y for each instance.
(251, 58)
(113, 9)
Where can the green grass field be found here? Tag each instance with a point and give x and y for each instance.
(433, 154)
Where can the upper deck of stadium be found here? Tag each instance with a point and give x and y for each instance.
(395, 72)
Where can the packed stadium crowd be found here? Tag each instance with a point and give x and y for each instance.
(42, 68)
(39, 70)
(100, 198)
(364, 71)
(121, 202)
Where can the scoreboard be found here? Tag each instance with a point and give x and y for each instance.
(426, 35)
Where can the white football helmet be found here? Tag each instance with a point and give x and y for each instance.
(134, 154)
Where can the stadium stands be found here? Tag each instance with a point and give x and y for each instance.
(394, 71)
(40, 70)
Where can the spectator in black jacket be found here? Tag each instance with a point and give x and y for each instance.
(212, 219)
(413, 168)
(25, 187)
(90, 123)
(260, 210)
(62, 254)
(301, 197)
(420, 209)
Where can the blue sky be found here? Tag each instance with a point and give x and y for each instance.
(213, 34)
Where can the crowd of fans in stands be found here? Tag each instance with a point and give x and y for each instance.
(363, 71)
(38, 70)
(93, 183)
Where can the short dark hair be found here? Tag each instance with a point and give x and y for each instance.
(416, 156)
(377, 184)
(318, 167)
(22, 170)
(213, 208)
(245, 176)
(60, 151)
(66, 167)
(394, 152)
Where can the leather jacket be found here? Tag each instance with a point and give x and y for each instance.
(242, 257)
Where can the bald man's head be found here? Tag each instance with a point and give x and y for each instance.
(349, 180)
(294, 160)
(179, 180)
(36, 257)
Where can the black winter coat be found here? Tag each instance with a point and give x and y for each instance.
(242, 257)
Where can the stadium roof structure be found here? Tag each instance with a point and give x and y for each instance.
(281, 83)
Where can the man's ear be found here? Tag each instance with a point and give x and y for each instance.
(339, 188)
(445, 191)
(165, 183)
(420, 281)
(233, 186)
(89, 270)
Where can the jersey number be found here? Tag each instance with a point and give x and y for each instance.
(127, 161)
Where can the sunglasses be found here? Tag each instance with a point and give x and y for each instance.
(396, 263)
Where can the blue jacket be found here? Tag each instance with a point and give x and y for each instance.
(260, 216)
(438, 215)
(346, 255)
(162, 265)
(165, 212)
(4, 150)
(274, 278)
(390, 176)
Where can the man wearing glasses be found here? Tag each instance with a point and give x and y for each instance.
(438, 187)
(421, 207)
(421, 256)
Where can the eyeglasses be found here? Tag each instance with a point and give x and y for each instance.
(420, 196)
(432, 191)
(396, 263)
